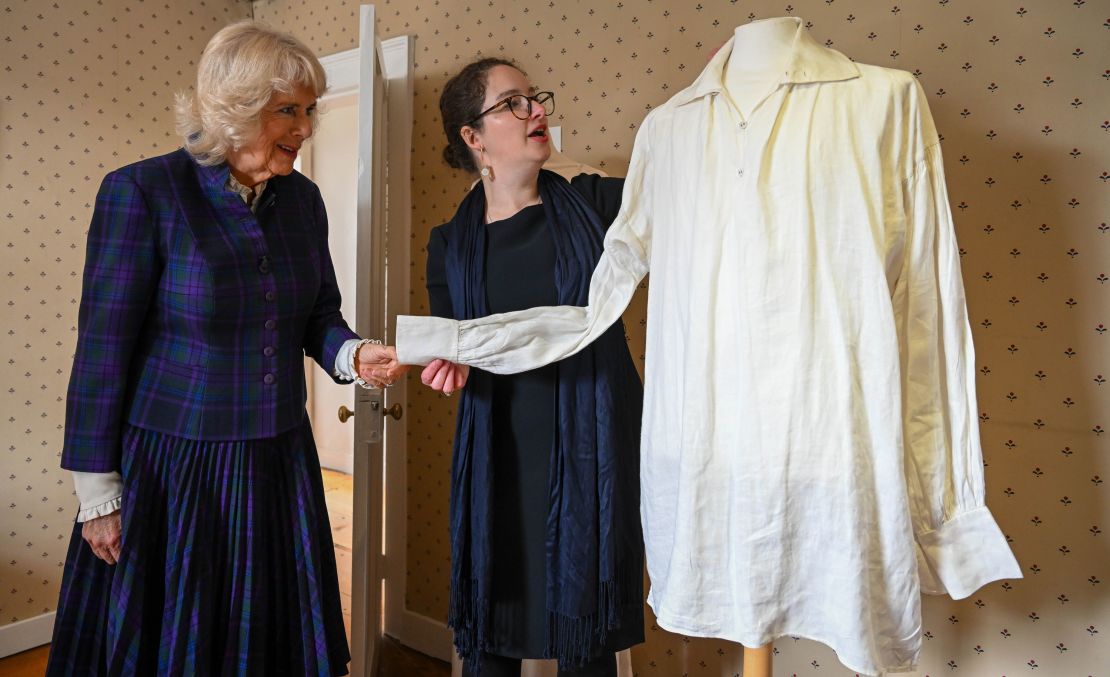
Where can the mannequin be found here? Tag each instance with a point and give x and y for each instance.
(760, 56)
(793, 343)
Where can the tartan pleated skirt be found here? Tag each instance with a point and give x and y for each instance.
(227, 566)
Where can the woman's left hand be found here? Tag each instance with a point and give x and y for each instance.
(378, 366)
(444, 376)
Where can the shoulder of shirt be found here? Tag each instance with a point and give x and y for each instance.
(877, 83)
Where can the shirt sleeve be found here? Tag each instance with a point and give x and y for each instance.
(99, 493)
(509, 343)
(960, 546)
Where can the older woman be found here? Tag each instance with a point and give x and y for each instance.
(546, 548)
(203, 545)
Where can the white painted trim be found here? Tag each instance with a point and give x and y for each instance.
(27, 634)
(426, 635)
(342, 70)
(397, 58)
(556, 134)
(342, 67)
(396, 53)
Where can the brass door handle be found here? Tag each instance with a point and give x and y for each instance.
(396, 411)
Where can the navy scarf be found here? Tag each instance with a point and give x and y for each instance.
(593, 543)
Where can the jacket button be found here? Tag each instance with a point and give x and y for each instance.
(268, 379)
(270, 324)
(263, 264)
(268, 351)
(270, 295)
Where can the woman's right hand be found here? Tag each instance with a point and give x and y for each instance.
(103, 536)
(444, 376)
(377, 364)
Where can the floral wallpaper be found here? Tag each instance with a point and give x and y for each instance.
(84, 88)
(1018, 90)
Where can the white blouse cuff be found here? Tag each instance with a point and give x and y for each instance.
(100, 493)
(343, 360)
(423, 339)
(964, 554)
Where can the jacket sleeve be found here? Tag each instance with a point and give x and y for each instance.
(439, 295)
(121, 274)
(326, 331)
(960, 546)
(509, 343)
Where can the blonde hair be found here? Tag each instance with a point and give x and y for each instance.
(242, 66)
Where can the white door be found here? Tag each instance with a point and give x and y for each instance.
(370, 308)
(381, 293)
(361, 161)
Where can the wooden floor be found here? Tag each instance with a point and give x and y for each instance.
(338, 495)
(396, 659)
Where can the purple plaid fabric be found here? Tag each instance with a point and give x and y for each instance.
(195, 313)
(227, 566)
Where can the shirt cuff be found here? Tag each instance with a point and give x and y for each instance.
(964, 554)
(342, 367)
(423, 339)
(100, 493)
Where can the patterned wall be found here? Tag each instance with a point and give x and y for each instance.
(84, 88)
(1018, 90)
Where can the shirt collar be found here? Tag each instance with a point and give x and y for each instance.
(809, 62)
(220, 177)
(249, 195)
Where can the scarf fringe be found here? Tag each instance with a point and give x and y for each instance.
(577, 640)
(573, 640)
(468, 617)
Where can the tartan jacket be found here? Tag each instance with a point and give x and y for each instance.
(195, 313)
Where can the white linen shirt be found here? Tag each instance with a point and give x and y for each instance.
(810, 444)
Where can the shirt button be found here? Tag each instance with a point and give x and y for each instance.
(268, 351)
(268, 379)
(264, 264)
(270, 296)
(740, 172)
(270, 324)
(744, 125)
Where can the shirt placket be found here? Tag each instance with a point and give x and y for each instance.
(752, 133)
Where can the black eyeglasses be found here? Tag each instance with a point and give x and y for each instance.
(521, 105)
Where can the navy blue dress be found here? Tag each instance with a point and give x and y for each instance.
(520, 274)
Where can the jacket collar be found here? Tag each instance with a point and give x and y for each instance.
(217, 177)
(809, 62)
(214, 176)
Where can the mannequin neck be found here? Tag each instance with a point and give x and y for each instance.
(760, 55)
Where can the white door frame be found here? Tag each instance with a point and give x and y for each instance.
(397, 55)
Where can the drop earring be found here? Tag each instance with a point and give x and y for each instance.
(487, 171)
